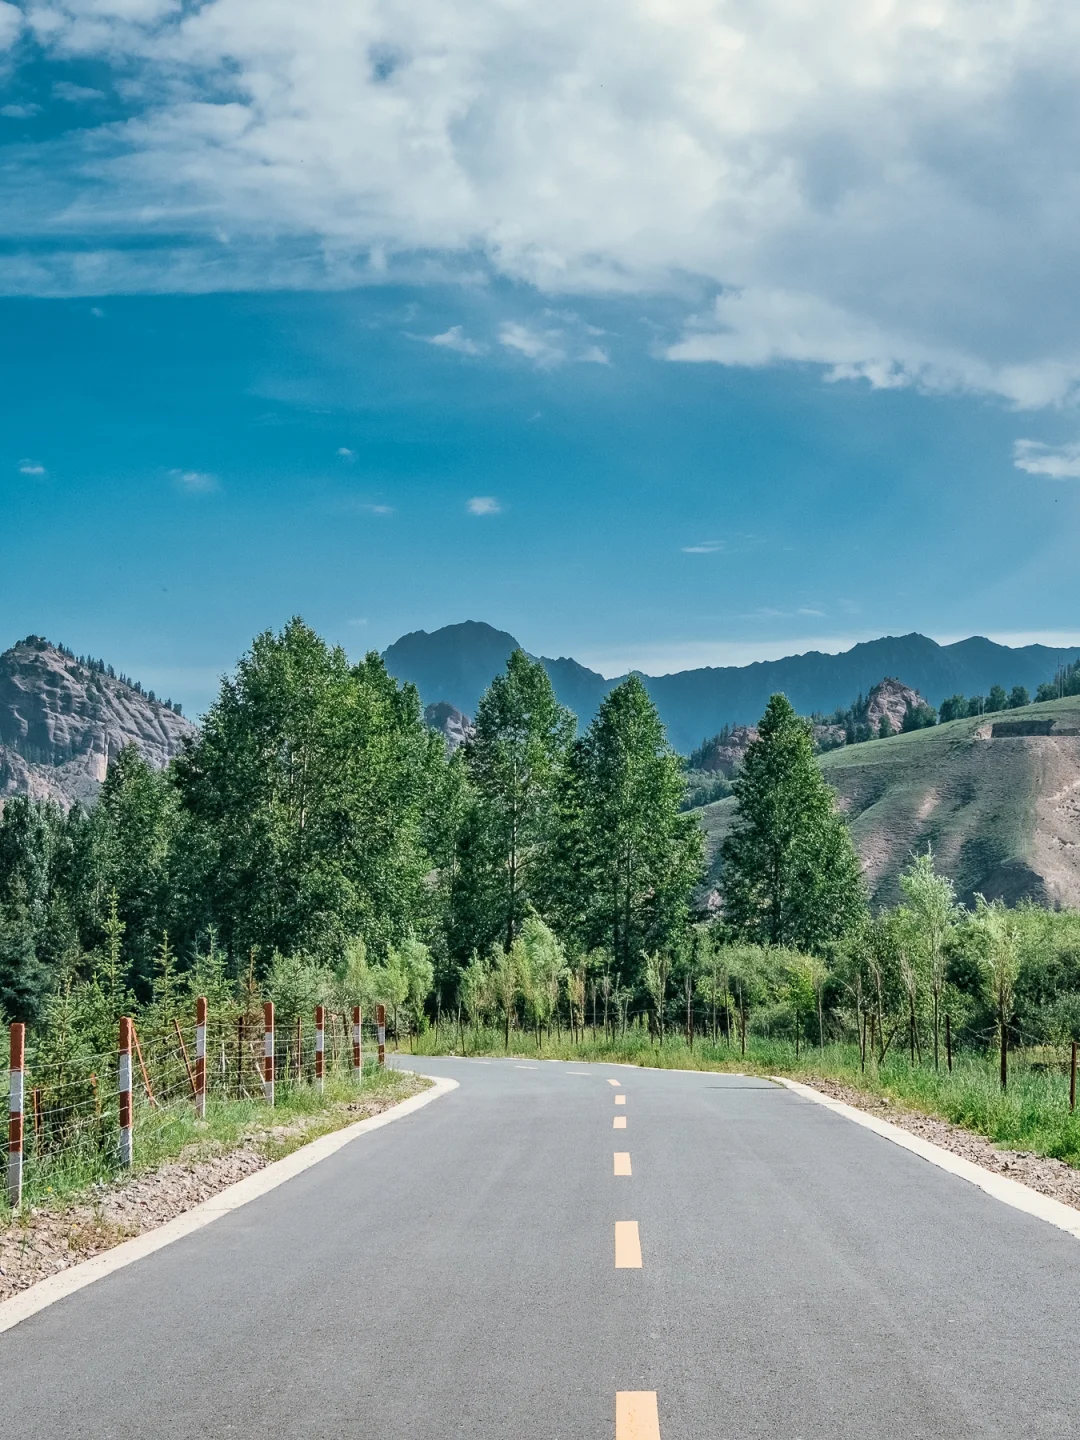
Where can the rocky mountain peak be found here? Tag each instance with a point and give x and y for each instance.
(450, 722)
(62, 719)
(892, 698)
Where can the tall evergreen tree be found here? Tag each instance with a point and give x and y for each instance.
(515, 757)
(790, 873)
(628, 858)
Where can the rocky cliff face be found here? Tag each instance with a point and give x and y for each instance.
(62, 721)
(450, 722)
(892, 698)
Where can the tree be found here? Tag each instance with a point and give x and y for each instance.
(628, 858)
(998, 936)
(997, 699)
(918, 717)
(931, 901)
(1018, 696)
(790, 875)
(514, 758)
(954, 708)
(310, 786)
(884, 728)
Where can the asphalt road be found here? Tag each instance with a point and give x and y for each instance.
(454, 1275)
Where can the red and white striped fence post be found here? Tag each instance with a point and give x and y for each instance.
(357, 1044)
(15, 1115)
(124, 1087)
(320, 1046)
(200, 1057)
(380, 1020)
(268, 1052)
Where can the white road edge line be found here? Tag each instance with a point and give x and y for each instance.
(46, 1292)
(1009, 1192)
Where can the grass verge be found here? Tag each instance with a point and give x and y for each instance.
(300, 1114)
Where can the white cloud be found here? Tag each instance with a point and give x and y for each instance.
(885, 190)
(704, 547)
(594, 355)
(1060, 463)
(75, 94)
(484, 505)
(31, 467)
(358, 623)
(542, 346)
(19, 112)
(195, 482)
(456, 339)
(11, 23)
(344, 453)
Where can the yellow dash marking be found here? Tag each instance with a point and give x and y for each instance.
(627, 1245)
(636, 1416)
(622, 1162)
(620, 1099)
(619, 1122)
(616, 1083)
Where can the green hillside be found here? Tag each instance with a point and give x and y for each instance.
(997, 797)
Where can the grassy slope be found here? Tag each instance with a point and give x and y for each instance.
(1002, 814)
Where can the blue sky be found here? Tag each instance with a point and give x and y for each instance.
(368, 320)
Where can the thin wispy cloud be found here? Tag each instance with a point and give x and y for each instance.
(543, 347)
(75, 94)
(484, 505)
(1056, 463)
(456, 339)
(31, 467)
(344, 453)
(195, 482)
(19, 112)
(704, 547)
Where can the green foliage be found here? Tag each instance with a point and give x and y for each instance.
(918, 717)
(997, 699)
(514, 761)
(790, 875)
(1018, 696)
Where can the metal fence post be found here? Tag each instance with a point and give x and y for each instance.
(15, 1115)
(124, 1087)
(200, 1057)
(268, 1051)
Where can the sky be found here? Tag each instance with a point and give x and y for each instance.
(656, 334)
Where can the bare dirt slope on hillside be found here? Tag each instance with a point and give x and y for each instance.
(1000, 807)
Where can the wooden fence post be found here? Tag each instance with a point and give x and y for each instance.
(15, 1114)
(380, 1020)
(357, 1044)
(200, 1057)
(124, 1087)
(268, 1052)
(320, 1046)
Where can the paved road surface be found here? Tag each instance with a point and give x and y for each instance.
(454, 1275)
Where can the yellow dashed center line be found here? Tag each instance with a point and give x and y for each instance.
(619, 1122)
(616, 1083)
(622, 1162)
(636, 1416)
(627, 1245)
(620, 1099)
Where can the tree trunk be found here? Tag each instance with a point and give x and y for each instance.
(1004, 1048)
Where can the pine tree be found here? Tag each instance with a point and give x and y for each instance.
(790, 874)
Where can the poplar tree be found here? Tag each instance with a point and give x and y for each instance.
(790, 873)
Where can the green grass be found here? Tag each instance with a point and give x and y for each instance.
(166, 1134)
(1032, 1115)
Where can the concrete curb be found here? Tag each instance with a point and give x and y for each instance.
(1009, 1192)
(46, 1292)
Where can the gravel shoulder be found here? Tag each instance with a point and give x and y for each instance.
(44, 1240)
(1039, 1172)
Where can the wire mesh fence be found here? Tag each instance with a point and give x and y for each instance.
(67, 1103)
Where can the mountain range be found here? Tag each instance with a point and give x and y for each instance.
(455, 664)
